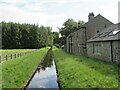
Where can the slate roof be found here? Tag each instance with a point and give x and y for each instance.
(108, 34)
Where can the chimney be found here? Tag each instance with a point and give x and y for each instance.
(90, 16)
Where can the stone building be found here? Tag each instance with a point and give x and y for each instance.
(76, 42)
(105, 45)
(98, 38)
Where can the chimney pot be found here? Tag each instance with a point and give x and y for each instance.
(90, 16)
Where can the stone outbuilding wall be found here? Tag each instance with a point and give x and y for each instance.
(105, 50)
(106, 45)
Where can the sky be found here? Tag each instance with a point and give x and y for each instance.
(55, 12)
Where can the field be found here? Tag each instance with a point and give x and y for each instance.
(15, 51)
(81, 72)
(16, 72)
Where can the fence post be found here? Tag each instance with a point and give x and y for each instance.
(0, 59)
(6, 57)
(18, 54)
(11, 56)
(15, 55)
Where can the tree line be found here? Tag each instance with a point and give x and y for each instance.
(16, 35)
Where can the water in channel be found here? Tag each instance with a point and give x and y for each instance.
(45, 76)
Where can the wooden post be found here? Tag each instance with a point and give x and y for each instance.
(0, 59)
(6, 58)
(11, 56)
(18, 54)
(15, 55)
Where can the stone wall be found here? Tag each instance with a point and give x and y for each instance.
(108, 51)
(76, 42)
(116, 51)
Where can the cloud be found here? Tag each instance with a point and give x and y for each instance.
(33, 7)
(62, 1)
(12, 1)
(27, 14)
(55, 12)
(55, 25)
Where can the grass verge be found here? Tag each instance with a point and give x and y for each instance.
(0, 76)
(81, 72)
(16, 72)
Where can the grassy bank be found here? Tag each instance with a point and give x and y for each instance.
(81, 72)
(16, 72)
(0, 76)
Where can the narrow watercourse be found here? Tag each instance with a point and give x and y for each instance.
(45, 75)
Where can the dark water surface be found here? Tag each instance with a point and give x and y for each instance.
(45, 76)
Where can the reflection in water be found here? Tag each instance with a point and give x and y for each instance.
(47, 62)
(46, 76)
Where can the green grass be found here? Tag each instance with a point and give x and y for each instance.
(81, 72)
(16, 72)
(0, 76)
(14, 51)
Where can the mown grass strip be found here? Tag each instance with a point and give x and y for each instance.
(0, 76)
(16, 72)
(81, 72)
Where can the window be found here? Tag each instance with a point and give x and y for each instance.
(97, 48)
(104, 34)
(98, 31)
(114, 32)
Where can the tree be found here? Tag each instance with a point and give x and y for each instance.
(68, 27)
(55, 38)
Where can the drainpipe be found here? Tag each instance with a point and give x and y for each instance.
(85, 41)
(111, 46)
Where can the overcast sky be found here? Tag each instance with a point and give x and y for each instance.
(55, 12)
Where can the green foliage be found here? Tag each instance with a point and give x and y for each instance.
(55, 38)
(0, 76)
(15, 35)
(16, 72)
(81, 72)
(69, 26)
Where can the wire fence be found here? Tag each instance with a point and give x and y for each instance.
(14, 56)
